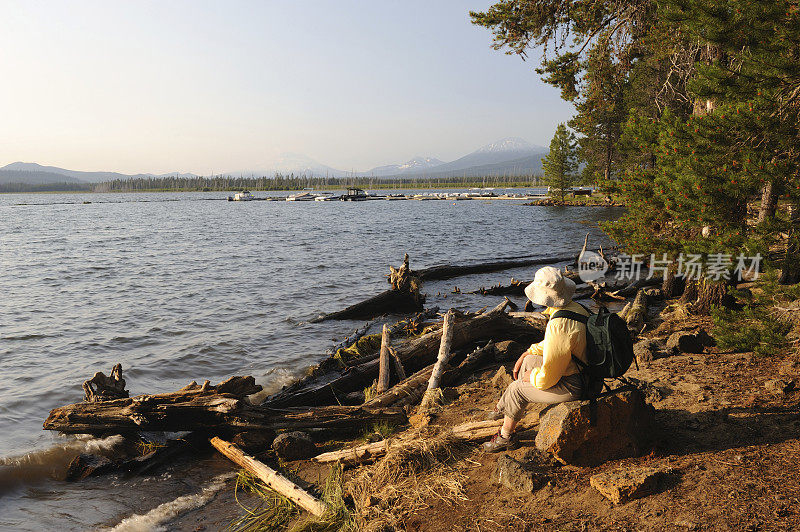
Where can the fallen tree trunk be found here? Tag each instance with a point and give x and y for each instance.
(466, 432)
(211, 410)
(414, 353)
(383, 368)
(271, 478)
(429, 399)
(448, 271)
(411, 390)
(388, 302)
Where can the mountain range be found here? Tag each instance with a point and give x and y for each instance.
(509, 156)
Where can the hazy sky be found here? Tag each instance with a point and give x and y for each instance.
(197, 86)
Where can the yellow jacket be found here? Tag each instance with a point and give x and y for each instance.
(563, 338)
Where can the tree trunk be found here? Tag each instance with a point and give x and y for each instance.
(383, 371)
(689, 292)
(207, 409)
(769, 201)
(271, 478)
(637, 313)
(466, 432)
(672, 285)
(415, 353)
(790, 273)
(411, 390)
(710, 294)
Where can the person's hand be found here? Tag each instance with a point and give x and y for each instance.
(518, 364)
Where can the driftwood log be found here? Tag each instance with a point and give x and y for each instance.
(448, 271)
(221, 408)
(445, 345)
(383, 368)
(102, 388)
(403, 298)
(466, 432)
(414, 353)
(411, 390)
(271, 478)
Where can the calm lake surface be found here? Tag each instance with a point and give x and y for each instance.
(178, 287)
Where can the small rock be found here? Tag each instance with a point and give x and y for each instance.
(294, 446)
(779, 386)
(626, 484)
(623, 429)
(502, 379)
(518, 476)
(508, 350)
(254, 440)
(86, 465)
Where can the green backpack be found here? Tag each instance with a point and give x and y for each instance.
(609, 347)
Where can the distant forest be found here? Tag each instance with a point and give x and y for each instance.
(46, 187)
(291, 182)
(279, 182)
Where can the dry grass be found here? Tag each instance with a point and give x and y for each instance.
(419, 466)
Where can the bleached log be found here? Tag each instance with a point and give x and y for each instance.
(271, 478)
(414, 353)
(209, 408)
(383, 371)
(444, 352)
(466, 432)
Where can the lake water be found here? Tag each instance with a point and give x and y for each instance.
(178, 287)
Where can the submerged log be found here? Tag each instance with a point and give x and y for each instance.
(404, 297)
(414, 353)
(212, 409)
(271, 478)
(448, 271)
(388, 302)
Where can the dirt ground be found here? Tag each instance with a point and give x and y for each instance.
(733, 448)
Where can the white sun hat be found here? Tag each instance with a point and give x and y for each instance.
(550, 288)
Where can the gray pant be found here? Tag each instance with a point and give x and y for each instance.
(521, 392)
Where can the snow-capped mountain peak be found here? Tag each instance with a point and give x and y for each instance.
(507, 144)
(419, 163)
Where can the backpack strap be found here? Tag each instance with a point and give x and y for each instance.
(570, 315)
(586, 384)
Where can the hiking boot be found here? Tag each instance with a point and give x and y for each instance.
(498, 443)
(495, 415)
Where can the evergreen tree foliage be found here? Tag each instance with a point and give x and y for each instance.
(561, 163)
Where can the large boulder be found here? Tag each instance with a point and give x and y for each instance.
(523, 477)
(294, 446)
(622, 428)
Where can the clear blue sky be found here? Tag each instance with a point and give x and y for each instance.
(140, 86)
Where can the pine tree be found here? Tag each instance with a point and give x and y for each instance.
(561, 163)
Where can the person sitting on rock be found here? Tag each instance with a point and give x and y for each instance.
(545, 373)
